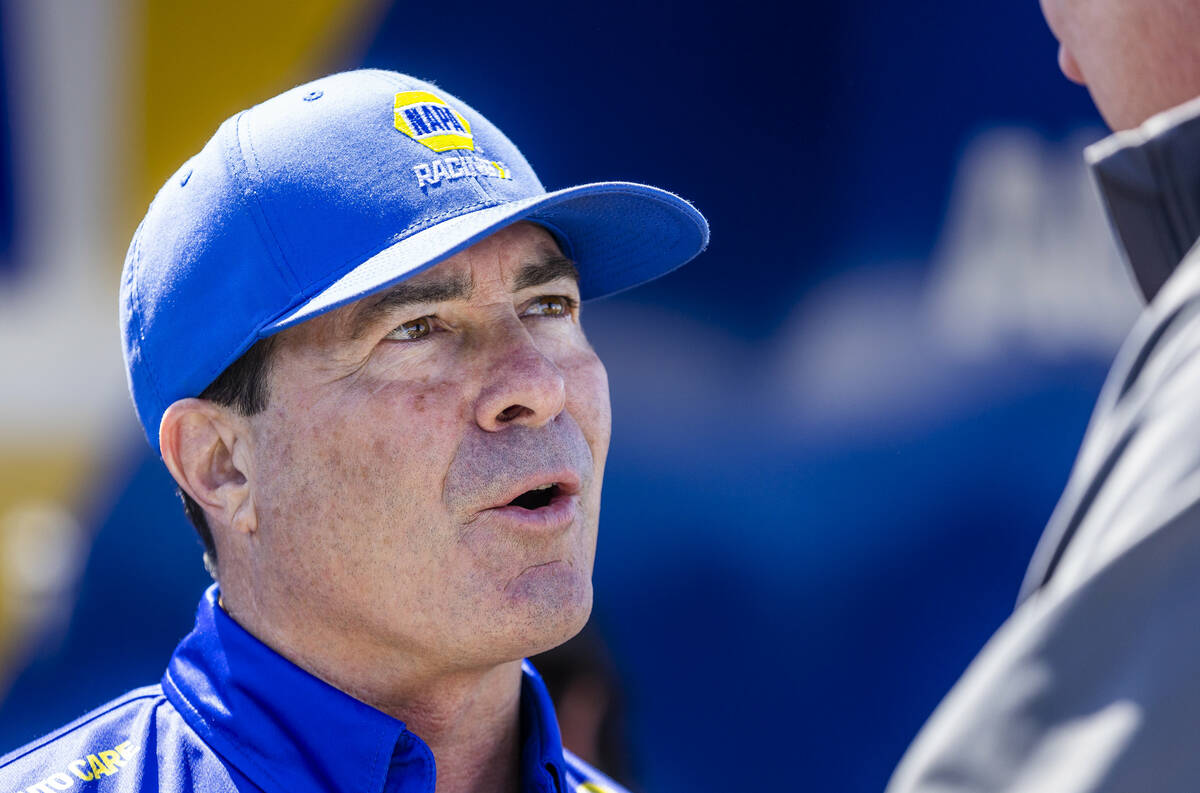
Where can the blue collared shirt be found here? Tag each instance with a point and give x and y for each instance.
(232, 714)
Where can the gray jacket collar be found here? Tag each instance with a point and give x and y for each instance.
(1149, 178)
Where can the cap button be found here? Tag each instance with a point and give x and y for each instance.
(313, 95)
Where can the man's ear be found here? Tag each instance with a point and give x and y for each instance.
(205, 448)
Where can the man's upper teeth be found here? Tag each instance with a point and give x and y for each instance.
(545, 487)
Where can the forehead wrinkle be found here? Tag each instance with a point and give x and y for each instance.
(409, 293)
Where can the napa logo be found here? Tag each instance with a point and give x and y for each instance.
(428, 120)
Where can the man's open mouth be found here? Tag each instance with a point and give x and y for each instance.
(536, 498)
(546, 499)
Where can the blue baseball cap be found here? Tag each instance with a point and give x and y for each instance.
(339, 188)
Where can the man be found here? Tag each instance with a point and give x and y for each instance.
(351, 329)
(1091, 685)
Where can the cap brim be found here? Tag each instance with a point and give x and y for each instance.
(619, 234)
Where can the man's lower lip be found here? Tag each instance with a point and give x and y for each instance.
(558, 514)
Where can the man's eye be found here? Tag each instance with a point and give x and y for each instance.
(551, 306)
(411, 331)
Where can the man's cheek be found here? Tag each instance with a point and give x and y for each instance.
(404, 438)
(588, 401)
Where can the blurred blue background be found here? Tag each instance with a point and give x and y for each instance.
(837, 434)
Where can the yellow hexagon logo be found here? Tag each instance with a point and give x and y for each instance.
(427, 119)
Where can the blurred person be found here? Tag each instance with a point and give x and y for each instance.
(1091, 684)
(589, 701)
(352, 332)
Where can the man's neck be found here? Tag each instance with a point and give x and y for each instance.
(473, 729)
(469, 719)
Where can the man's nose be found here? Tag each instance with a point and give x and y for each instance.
(521, 386)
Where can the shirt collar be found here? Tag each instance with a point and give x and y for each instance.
(291, 732)
(1149, 180)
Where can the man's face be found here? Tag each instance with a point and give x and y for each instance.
(1137, 57)
(427, 472)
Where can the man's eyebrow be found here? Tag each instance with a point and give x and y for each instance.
(408, 294)
(544, 271)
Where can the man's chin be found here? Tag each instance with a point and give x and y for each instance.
(546, 606)
(1069, 66)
